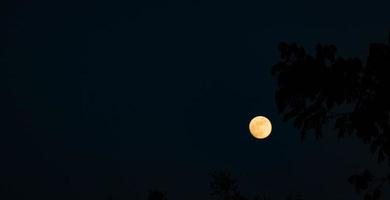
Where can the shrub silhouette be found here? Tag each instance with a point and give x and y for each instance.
(313, 91)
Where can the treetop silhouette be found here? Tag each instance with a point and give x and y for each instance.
(313, 91)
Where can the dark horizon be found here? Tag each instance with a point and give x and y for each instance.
(108, 98)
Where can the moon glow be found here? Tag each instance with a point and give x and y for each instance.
(260, 127)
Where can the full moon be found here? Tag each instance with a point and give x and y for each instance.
(260, 127)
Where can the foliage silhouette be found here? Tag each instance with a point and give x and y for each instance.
(293, 196)
(157, 195)
(313, 91)
(225, 187)
(109, 197)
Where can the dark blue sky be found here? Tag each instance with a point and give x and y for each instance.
(105, 97)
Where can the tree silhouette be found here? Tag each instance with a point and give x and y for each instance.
(313, 91)
(224, 186)
(293, 196)
(109, 197)
(157, 195)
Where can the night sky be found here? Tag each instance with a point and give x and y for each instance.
(106, 98)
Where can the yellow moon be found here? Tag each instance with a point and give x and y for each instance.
(260, 127)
